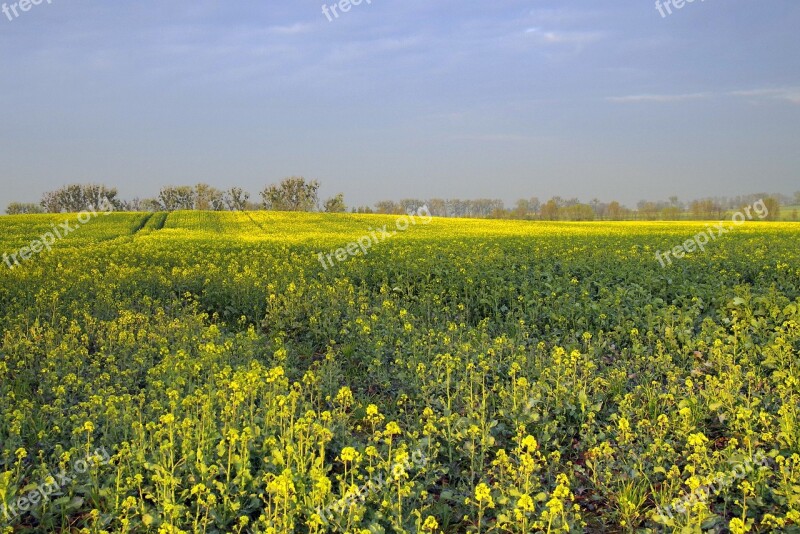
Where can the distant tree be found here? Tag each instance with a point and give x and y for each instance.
(648, 211)
(534, 205)
(615, 211)
(485, 207)
(797, 198)
(675, 203)
(449, 208)
(19, 208)
(335, 204)
(52, 202)
(362, 209)
(697, 209)
(174, 198)
(79, 197)
(96, 195)
(670, 213)
(292, 194)
(207, 198)
(150, 204)
(236, 199)
(550, 210)
(409, 205)
(438, 207)
(774, 207)
(522, 209)
(600, 209)
(705, 209)
(457, 207)
(595, 204)
(577, 212)
(388, 207)
(499, 212)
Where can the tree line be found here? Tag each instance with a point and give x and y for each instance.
(298, 194)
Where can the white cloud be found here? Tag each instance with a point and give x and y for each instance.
(502, 138)
(579, 38)
(787, 94)
(293, 29)
(790, 94)
(658, 98)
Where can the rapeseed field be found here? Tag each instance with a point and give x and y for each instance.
(202, 372)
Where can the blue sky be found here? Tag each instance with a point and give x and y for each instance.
(398, 99)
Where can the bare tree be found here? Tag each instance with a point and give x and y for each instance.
(177, 198)
(335, 204)
(19, 208)
(79, 197)
(208, 198)
(236, 199)
(292, 194)
(388, 207)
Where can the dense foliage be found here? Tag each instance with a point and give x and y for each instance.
(464, 376)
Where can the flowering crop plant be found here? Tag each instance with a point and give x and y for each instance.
(464, 376)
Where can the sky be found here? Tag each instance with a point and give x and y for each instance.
(401, 99)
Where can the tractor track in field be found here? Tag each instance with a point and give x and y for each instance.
(141, 224)
(159, 220)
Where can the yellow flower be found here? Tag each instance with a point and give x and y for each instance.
(555, 506)
(430, 524)
(525, 504)
(737, 526)
(399, 471)
(393, 429)
(314, 521)
(772, 522)
(484, 495)
(697, 440)
(345, 396)
(624, 425)
(349, 454)
(530, 443)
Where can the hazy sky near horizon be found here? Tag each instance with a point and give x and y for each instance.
(404, 98)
